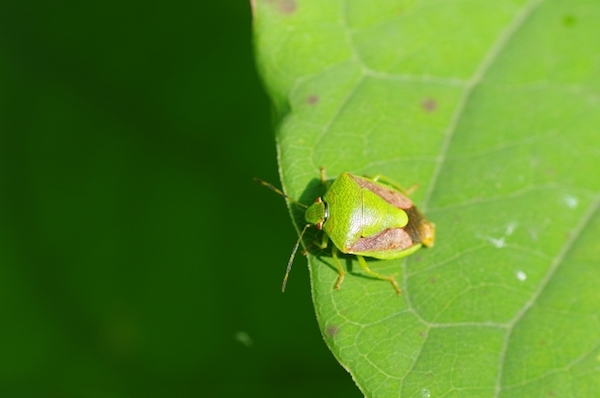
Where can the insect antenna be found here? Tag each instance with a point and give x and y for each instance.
(271, 187)
(289, 265)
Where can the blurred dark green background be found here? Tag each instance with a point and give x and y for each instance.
(134, 245)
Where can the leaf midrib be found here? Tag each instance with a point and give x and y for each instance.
(472, 83)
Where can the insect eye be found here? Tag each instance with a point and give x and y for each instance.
(319, 225)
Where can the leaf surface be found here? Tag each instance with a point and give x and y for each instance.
(493, 109)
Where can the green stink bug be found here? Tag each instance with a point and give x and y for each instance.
(366, 217)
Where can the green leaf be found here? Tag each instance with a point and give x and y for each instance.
(493, 108)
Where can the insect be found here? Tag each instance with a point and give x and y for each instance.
(366, 217)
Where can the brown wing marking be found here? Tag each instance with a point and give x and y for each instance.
(391, 196)
(390, 239)
(418, 228)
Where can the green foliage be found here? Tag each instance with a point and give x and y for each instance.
(493, 109)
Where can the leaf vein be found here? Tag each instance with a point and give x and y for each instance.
(584, 221)
(472, 83)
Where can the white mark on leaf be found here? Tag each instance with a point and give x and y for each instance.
(521, 275)
(510, 228)
(499, 243)
(571, 201)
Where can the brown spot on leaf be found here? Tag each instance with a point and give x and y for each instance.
(432, 280)
(429, 105)
(332, 331)
(286, 6)
(422, 334)
(312, 99)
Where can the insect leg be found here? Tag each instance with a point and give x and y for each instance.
(392, 183)
(323, 243)
(341, 271)
(365, 267)
(277, 191)
(324, 177)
